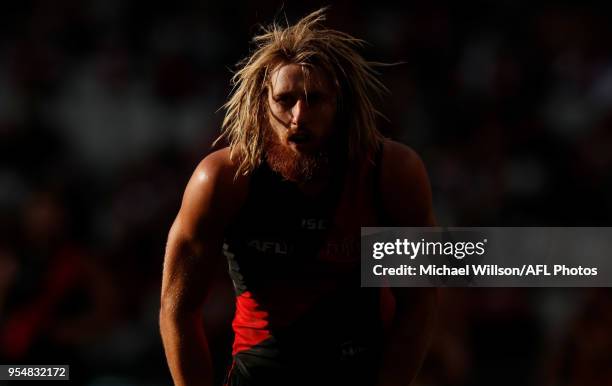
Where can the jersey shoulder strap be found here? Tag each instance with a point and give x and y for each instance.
(376, 185)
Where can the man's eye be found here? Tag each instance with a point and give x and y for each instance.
(285, 101)
(313, 98)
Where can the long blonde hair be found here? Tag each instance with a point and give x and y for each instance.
(309, 44)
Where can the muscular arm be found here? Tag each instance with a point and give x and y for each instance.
(193, 249)
(407, 202)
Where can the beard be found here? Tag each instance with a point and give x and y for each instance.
(299, 167)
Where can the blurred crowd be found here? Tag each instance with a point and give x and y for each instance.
(106, 106)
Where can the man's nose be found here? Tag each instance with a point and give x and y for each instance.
(299, 112)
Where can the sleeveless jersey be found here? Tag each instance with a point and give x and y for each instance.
(295, 264)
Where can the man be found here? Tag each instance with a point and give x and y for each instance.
(305, 169)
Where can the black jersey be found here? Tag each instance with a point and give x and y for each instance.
(295, 264)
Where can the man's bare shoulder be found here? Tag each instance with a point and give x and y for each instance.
(397, 157)
(405, 186)
(217, 172)
(216, 166)
(214, 193)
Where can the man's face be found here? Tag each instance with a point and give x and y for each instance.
(302, 109)
(301, 115)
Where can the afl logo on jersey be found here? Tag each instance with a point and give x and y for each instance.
(271, 247)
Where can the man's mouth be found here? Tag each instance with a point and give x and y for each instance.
(299, 138)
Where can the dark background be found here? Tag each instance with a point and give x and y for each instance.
(106, 107)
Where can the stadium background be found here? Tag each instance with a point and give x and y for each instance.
(106, 106)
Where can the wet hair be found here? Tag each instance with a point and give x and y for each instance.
(308, 44)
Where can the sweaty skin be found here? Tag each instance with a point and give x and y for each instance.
(302, 100)
(302, 105)
(194, 246)
(214, 196)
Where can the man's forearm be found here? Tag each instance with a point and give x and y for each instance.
(408, 341)
(186, 349)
